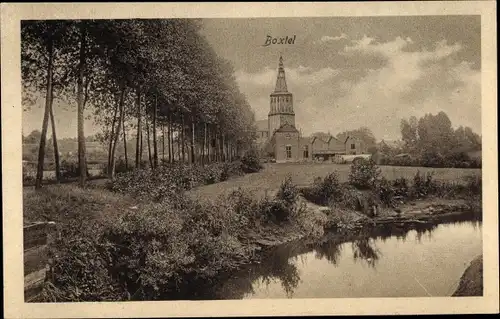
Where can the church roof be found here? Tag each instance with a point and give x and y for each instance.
(287, 128)
(281, 81)
(261, 125)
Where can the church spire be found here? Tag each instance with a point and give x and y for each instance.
(280, 81)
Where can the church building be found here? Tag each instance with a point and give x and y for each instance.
(279, 137)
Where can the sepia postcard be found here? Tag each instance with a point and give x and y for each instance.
(248, 159)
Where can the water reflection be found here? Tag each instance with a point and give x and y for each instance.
(280, 264)
(365, 249)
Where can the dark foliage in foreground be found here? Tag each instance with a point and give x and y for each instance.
(167, 249)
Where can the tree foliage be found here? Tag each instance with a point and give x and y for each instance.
(141, 76)
(434, 134)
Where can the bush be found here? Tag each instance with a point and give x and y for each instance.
(474, 184)
(324, 190)
(423, 185)
(166, 181)
(29, 174)
(246, 207)
(80, 267)
(162, 251)
(275, 210)
(70, 169)
(385, 191)
(364, 174)
(288, 192)
(250, 163)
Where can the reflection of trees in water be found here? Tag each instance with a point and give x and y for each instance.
(279, 266)
(365, 249)
(330, 250)
(280, 263)
(288, 275)
(425, 230)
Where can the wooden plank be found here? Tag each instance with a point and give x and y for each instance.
(37, 236)
(35, 259)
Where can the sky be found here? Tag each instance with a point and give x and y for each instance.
(348, 72)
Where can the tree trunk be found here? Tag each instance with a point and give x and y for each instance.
(216, 147)
(222, 147)
(203, 152)
(54, 139)
(117, 135)
(141, 146)
(82, 162)
(193, 160)
(163, 142)
(209, 145)
(155, 144)
(45, 122)
(139, 130)
(150, 157)
(182, 139)
(125, 143)
(169, 136)
(111, 136)
(178, 146)
(141, 150)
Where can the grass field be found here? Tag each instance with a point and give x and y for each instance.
(270, 178)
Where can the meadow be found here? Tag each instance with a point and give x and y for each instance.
(270, 178)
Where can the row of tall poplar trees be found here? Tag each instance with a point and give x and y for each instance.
(142, 75)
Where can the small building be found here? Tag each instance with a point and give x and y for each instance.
(353, 146)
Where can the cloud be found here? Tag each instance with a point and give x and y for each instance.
(300, 76)
(409, 82)
(369, 45)
(327, 38)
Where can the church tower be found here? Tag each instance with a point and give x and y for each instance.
(281, 110)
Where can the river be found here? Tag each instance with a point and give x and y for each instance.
(386, 262)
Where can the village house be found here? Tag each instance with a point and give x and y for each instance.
(278, 136)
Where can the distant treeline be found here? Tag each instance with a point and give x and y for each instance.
(431, 141)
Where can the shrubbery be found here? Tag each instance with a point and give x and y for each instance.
(168, 180)
(250, 162)
(366, 187)
(364, 174)
(70, 169)
(120, 167)
(452, 160)
(325, 190)
(165, 250)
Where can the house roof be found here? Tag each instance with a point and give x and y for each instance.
(261, 125)
(287, 128)
(392, 144)
(326, 139)
(352, 137)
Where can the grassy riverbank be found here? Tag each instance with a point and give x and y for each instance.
(141, 238)
(116, 247)
(471, 282)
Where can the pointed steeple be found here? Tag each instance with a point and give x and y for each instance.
(280, 81)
